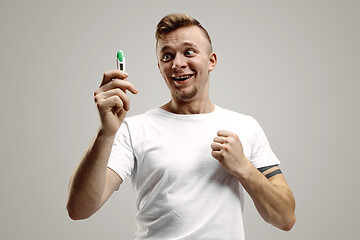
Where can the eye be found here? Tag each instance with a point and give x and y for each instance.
(166, 57)
(189, 52)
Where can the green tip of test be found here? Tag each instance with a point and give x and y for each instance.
(120, 55)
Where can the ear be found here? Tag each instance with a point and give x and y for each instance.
(212, 61)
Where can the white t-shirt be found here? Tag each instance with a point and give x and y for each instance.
(182, 191)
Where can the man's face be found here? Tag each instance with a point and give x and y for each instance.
(185, 60)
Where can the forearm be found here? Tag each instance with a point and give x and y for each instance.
(87, 183)
(274, 202)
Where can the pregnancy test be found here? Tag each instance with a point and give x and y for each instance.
(120, 59)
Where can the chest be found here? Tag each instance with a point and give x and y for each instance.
(181, 151)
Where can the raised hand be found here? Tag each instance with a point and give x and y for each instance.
(112, 101)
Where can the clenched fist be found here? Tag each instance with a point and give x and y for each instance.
(228, 150)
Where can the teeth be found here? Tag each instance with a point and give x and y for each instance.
(182, 78)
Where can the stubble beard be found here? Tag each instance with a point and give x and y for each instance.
(185, 96)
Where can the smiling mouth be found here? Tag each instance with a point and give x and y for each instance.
(182, 78)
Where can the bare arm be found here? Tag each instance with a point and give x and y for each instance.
(272, 197)
(92, 183)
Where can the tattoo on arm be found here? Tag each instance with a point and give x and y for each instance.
(270, 171)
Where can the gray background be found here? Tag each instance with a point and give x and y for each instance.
(293, 65)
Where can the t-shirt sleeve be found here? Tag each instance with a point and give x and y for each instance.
(262, 155)
(122, 158)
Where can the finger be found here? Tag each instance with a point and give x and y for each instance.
(220, 139)
(215, 146)
(114, 103)
(224, 133)
(217, 155)
(118, 83)
(117, 104)
(115, 92)
(110, 75)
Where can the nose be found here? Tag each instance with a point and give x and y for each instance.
(178, 62)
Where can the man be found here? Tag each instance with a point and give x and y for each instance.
(189, 160)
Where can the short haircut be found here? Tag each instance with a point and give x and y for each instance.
(175, 21)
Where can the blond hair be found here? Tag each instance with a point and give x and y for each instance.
(175, 21)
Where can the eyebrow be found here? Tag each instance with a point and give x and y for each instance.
(188, 44)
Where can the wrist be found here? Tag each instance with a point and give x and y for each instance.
(246, 171)
(106, 133)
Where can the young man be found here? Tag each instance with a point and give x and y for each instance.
(189, 160)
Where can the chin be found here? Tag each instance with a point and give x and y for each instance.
(186, 95)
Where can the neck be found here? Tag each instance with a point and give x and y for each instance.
(188, 107)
